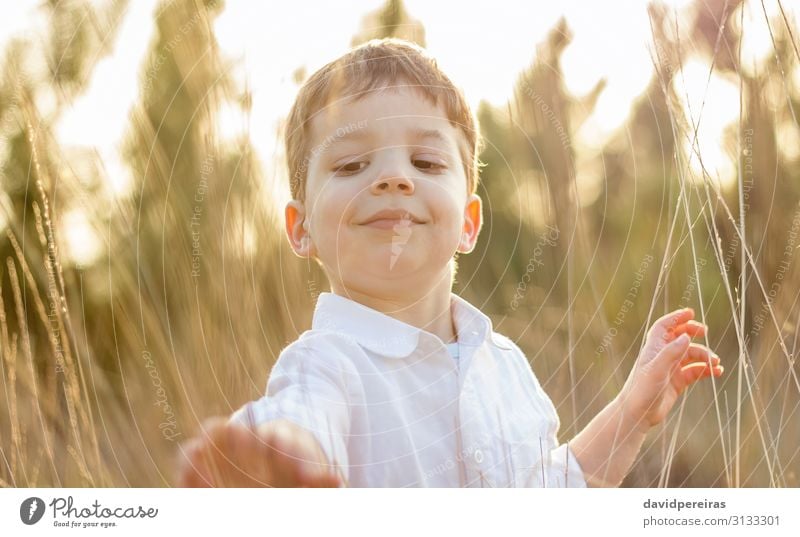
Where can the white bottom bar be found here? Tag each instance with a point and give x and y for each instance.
(388, 512)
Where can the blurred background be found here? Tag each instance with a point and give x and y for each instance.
(639, 157)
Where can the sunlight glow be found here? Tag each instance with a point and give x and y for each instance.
(100, 117)
(714, 108)
(756, 41)
(82, 243)
(241, 237)
(119, 177)
(231, 122)
(589, 181)
(788, 140)
(622, 58)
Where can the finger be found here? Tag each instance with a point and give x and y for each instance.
(714, 360)
(673, 319)
(213, 439)
(662, 330)
(673, 352)
(213, 428)
(295, 456)
(307, 461)
(323, 481)
(316, 473)
(220, 449)
(233, 456)
(199, 469)
(696, 371)
(188, 466)
(248, 459)
(699, 353)
(692, 328)
(282, 459)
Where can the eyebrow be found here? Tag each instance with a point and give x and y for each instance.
(333, 139)
(425, 134)
(417, 134)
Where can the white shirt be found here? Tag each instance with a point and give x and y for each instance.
(393, 408)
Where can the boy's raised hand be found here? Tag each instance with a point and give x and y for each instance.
(275, 454)
(667, 364)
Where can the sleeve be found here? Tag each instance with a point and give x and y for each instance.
(566, 471)
(563, 469)
(310, 390)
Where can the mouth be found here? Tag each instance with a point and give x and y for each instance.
(392, 219)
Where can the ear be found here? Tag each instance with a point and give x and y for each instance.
(297, 229)
(473, 220)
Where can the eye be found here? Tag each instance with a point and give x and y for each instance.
(429, 164)
(350, 168)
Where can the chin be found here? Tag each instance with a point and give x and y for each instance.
(386, 263)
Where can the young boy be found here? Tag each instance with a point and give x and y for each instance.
(400, 382)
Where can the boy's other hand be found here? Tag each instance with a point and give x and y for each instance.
(667, 364)
(275, 454)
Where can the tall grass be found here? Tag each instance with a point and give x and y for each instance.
(108, 366)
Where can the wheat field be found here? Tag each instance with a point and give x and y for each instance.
(192, 290)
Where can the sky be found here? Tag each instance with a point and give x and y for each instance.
(482, 50)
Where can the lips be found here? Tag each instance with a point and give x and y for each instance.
(389, 218)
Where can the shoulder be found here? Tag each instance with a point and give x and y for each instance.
(521, 366)
(321, 340)
(319, 347)
(507, 346)
(503, 343)
(510, 351)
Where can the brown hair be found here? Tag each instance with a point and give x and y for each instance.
(368, 67)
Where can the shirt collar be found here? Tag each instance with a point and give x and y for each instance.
(387, 336)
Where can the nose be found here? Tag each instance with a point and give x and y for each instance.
(392, 183)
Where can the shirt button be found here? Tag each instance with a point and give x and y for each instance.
(478, 456)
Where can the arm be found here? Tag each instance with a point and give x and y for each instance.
(296, 435)
(611, 431)
(668, 363)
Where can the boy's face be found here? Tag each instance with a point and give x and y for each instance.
(390, 151)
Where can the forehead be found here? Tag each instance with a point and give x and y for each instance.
(384, 113)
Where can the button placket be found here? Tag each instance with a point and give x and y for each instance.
(469, 440)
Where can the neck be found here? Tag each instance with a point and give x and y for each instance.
(428, 309)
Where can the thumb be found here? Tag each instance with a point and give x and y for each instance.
(673, 353)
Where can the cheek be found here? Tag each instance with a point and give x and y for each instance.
(447, 209)
(330, 224)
